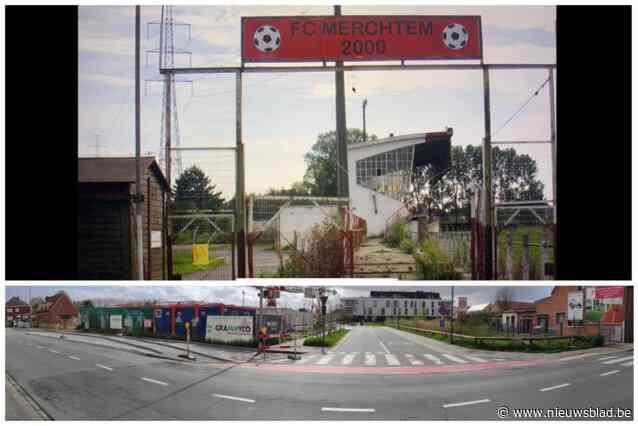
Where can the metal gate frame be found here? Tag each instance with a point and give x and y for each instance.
(338, 69)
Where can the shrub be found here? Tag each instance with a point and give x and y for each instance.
(407, 246)
(397, 233)
(329, 341)
(597, 340)
(433, 264)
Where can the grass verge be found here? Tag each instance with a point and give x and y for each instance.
(331, 339)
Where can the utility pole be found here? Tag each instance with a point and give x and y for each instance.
(452, 317)
(342, 149)
(365, 135)
(138, 163)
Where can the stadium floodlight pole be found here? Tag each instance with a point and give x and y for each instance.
(240, 195)
(342, 149)
(139, 201)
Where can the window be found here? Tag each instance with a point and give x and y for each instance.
(383, 311)
(9, 309)
(405, 303)
(415, 312)
(387, 303)
(406, 312)
(369, 311)
(374, 303)
(423, 305)
(396, 303)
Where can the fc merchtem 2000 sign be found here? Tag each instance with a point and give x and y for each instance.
(360, 38)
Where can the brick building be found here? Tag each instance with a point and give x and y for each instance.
(17, 309)
(107, 236)
(57, 312)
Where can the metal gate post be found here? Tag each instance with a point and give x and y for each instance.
(552, 118)
(487, 177)
(240, 202)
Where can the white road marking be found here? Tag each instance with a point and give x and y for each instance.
(607, 357)
(613, 361)
(460, 404)
(392, 360)
(325, 359)
(41, 347)
(348, 410)
(234, 398)
(384, 347)
(569, 358)
(54, 352)
(433, 358)
(413, 360)
(370, 359)
(455, 359)
(475, 358)
(627, 364)
(157, 382)
(609, 373)
(74, 357)
(555, 387)
(499, 359)
(104, 367)
(348, 359)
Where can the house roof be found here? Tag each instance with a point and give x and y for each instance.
(514, 306)
(478, 308)
(16, 301)
(115, 170)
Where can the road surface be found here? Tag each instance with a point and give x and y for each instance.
(76, 380)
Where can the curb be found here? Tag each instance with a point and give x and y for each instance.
(205, 355)
(110, 339)
(20, 390)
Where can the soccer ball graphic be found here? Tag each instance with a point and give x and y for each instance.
(455, 36)
(267, 39)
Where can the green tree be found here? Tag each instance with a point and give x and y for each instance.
(194, 191)
(321, 162)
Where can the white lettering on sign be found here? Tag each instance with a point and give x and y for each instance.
(229, 328)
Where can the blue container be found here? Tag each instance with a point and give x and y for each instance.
(183, 314)
(162, 319)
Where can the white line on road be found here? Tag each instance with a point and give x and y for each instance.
(104, 367)
(348, 359)
(607, 357)
(609, 373)
(384, 347)
(54, 352)
(41, 347)
(157, 382)
(455, 359)
(370, 359)
(569, 358)
(325, 359)
(413, 360)
(460, 404)
(392, 360)
(433, 358)
(555, 387)
(348, 410)
(74, 357)
(613, 361)
(627, 364)
(475, 358)
(234, 398)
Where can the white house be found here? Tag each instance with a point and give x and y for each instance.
(379, 173)
(384, 304)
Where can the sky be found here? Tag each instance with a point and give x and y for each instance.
(233, 294)
(284, 113)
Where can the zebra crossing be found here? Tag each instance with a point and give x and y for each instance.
(383, 359)
(617, 360)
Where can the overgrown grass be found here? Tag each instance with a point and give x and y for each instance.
(397, 233)
(535, 237)
(330, 340)
(433, 264)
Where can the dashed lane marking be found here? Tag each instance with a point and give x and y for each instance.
(157, 382)
(461, 404)
(555, 387)
(104, 367)
(234, 398)
(627, 364)
(609, 373)
(54, 352)
(455, 359)
(607, 358)
(348, 410)
(569, 358)
(74, 357)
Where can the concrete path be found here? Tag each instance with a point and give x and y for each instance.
(374, 260)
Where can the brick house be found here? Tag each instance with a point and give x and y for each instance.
(16, 308)
(107, 236)
(514, 315)
(57, 312)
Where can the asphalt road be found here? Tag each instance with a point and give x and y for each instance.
(73, 380)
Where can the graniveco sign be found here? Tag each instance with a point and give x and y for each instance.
(229, 328)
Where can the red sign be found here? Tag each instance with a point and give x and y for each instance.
(610, 292)
(360, 38)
